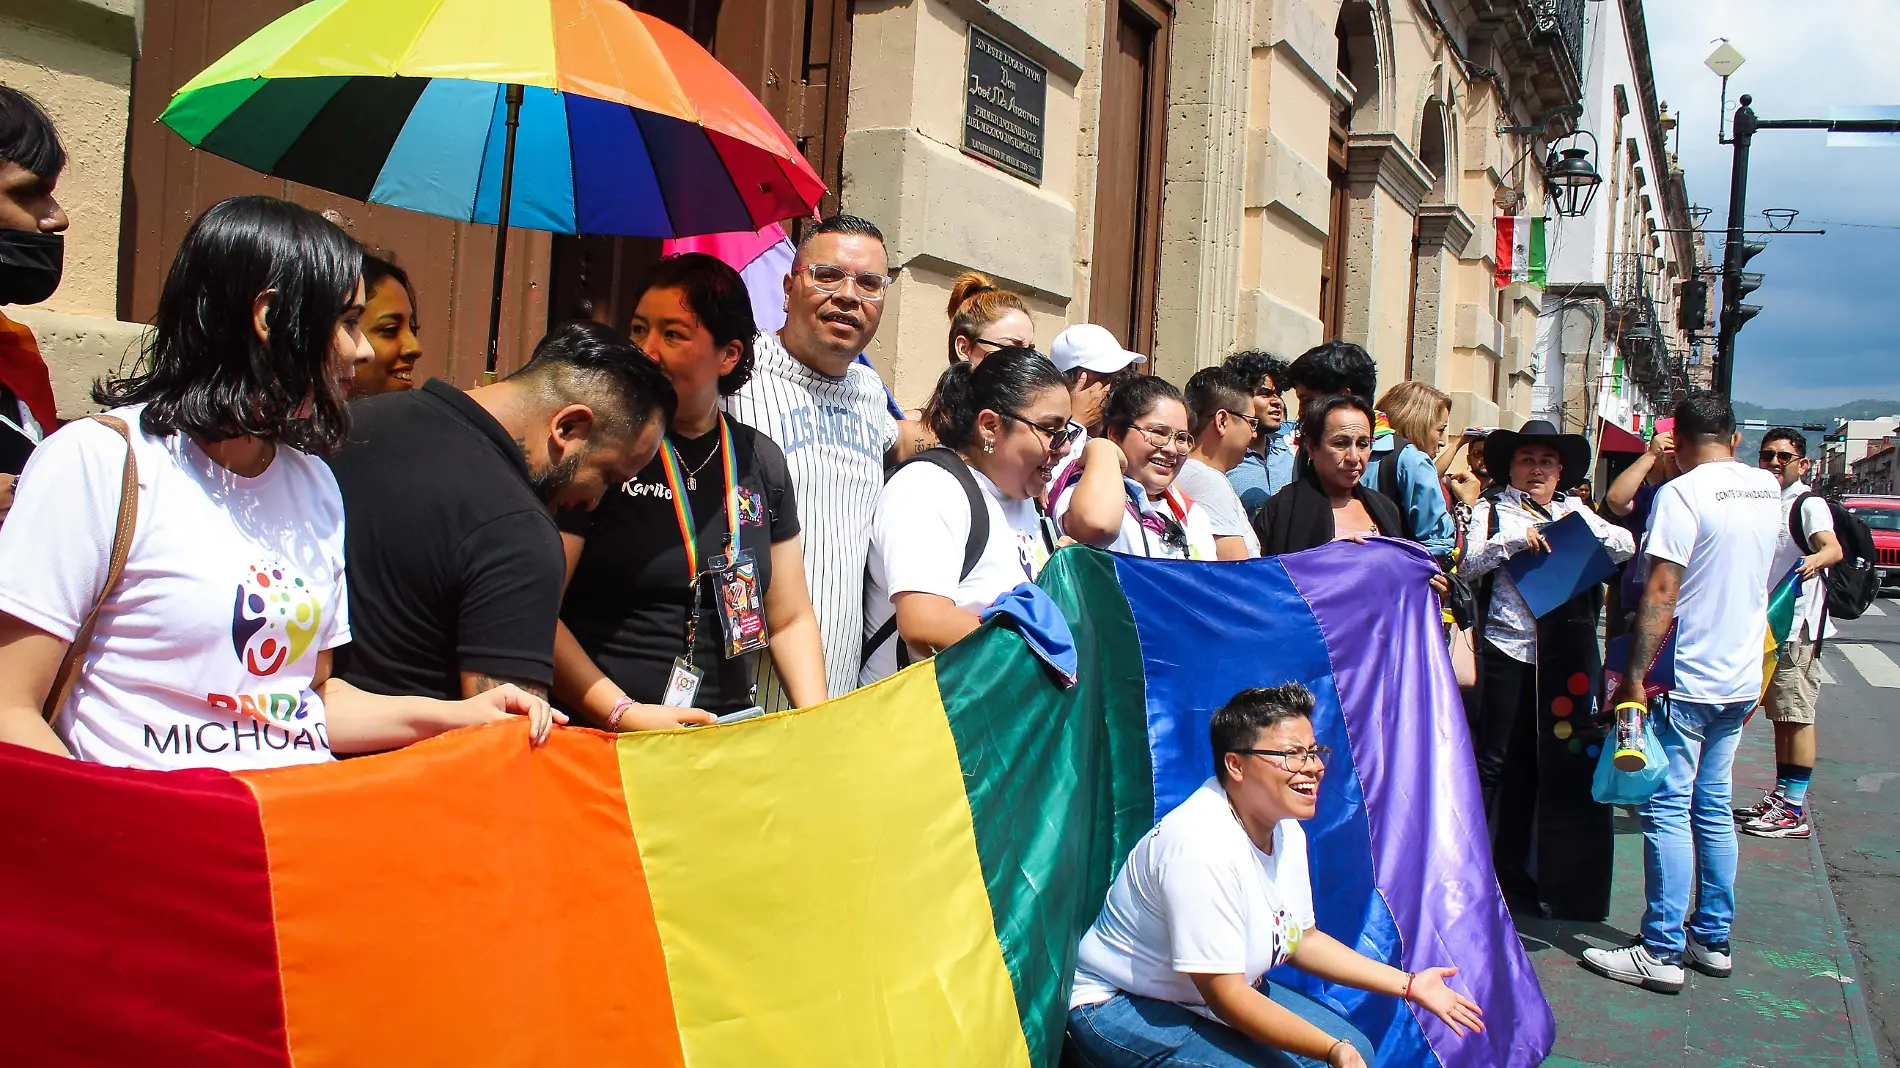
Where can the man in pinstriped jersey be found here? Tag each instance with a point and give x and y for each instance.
(830, 417)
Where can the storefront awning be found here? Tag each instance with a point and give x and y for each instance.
(1613, 438)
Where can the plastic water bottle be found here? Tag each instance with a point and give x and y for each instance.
(1630, 754)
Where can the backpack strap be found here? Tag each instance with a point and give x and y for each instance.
(1387, 481)
(122, 532)
(973, 545)
(1796, 529)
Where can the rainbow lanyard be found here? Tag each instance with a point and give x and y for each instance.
(682, 508)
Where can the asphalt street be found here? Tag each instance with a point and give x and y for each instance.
(1855, 802)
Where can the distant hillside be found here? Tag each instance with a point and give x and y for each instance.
(1796, 417)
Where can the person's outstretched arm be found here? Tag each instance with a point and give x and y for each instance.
(1253, 1014)
(1325, 956)
(1621, 496)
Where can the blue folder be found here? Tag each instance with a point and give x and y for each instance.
(1576, 561)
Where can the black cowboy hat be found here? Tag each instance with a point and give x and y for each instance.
(1500, 446)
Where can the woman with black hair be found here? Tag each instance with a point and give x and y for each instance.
(958, 525)
(686, 572)
(172, 576)
(390, 324)
(1120, 496)
(1325, 502)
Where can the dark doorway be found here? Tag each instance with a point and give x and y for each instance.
(1130, 158)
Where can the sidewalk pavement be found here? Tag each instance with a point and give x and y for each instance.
(1794, 998)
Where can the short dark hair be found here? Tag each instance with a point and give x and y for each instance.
(1336, 367)
(1254, 365)
(206, 372)
(585, 362)
(1130, 400)
(1004, 383)
(1791, 436)
(718, 297)
(1239, 722)
(1211, 389)
(27, 136)
(838, 224)
(1704, 415)
(1313, 416)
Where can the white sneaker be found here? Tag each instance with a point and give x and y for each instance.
(1716, 962)
(1634, 965)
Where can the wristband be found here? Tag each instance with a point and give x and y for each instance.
(620, 709)
(1334, 1048)
(1409, 976)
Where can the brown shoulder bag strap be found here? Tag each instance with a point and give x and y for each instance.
(121, 547)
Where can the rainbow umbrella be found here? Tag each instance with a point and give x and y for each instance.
(573, 116)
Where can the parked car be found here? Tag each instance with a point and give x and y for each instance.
(1882, 516)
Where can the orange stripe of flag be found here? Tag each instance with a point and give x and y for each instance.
(465, 902)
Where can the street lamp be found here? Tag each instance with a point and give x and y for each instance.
(1571, 181)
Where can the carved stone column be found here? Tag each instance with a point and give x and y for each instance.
(1386, 182)
(1443, 232)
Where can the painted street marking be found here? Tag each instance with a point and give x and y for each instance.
(1873, 665)
(1826, 677)
(1871, 784)
(1874, 610)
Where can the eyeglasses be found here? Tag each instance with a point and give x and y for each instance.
(1159, 436)
(1251, 420)
(829, 278)
(1770, 456)
(1056, 438)
(994, 345)
(1293, 759)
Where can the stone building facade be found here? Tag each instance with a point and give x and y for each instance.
(1210, 174)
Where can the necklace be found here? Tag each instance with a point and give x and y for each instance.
(692, 481)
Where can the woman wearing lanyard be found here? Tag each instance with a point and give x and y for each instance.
(683, 574)
(1004, 424)
(1121, 494)
(1533, 729)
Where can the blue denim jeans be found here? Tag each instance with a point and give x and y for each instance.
(1688, 831)
(1128, 1031)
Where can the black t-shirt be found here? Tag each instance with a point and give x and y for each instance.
(454, 563)
(627, 602)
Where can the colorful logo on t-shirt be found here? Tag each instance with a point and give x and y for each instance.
(751, 507)
(275, 618)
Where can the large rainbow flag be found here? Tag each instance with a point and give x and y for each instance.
(895, 878)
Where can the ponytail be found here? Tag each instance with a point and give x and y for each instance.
(975, 303)
(1005, 382)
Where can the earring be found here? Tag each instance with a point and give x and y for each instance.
(989, 444)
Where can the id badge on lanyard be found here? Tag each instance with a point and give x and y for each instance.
(734, 577)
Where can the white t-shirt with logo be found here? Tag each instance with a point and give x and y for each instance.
(1718, 522)
(917, 541)
(1815, 518)
(1212, 493)
(1196, 897)
(1136, 538)
(834, 433)
(205, 651)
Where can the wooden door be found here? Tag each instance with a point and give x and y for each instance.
(1130, 158)
(795, 55)
(1332, 264)
(168, 183)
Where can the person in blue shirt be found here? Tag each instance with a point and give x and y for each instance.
(1268, 465)
(1343, 367)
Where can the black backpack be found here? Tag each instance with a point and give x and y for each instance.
(972, 546)
(1853, 583)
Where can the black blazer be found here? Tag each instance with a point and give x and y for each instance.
(1300, 516)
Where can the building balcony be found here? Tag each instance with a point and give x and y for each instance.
(1540, 42)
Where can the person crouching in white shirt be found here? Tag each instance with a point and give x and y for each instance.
(1121, 495)
(1214, 897)
(1004, 427)
(1538, 682)
(212, 649)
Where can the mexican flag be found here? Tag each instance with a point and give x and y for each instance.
(1521, 250)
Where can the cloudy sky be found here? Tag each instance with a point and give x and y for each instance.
(1829, 330)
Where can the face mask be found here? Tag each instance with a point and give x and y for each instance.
(30, 265)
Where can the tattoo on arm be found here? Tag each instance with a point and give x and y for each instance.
(479, 683)
(1652, 624)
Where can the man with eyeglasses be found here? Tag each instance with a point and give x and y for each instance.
(829, 415)
(1794, 693)
(1267, 466)
(1220, 416)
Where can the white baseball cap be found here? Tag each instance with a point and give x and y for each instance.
(1091, 348)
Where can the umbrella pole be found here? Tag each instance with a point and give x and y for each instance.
(501, 227)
